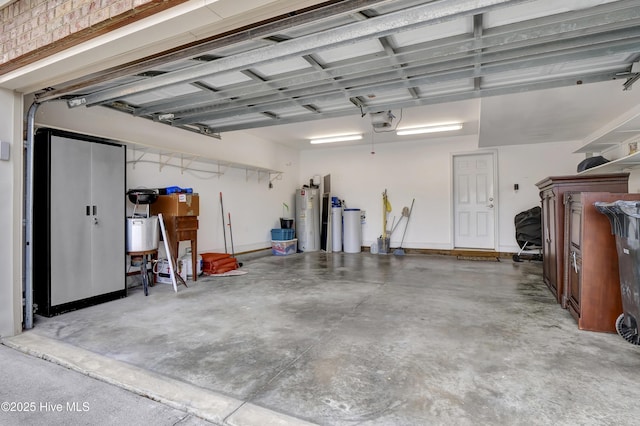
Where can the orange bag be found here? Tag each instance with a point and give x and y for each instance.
(218, 263)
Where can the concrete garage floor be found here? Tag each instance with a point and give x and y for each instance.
(346, 339)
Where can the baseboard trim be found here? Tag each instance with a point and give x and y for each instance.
(455, 252)
(442, 252)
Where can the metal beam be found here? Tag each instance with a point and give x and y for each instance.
(477, 56)
(451, 97)
(265, 29)
(430, 13)
(435, 52)
(456, 70)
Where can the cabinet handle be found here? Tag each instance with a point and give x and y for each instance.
(575, 262)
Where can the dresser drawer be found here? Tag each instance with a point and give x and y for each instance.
(185, 223)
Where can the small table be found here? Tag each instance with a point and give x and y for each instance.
(151, 255)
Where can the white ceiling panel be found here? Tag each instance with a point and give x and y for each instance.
(434, 32)
(283, 66)
(456, 86)
(351, 51)
(225, 79)
(562, 114)
(238, 47)
(162, 94)
(536, 9)
(292, 112)
(317, 26)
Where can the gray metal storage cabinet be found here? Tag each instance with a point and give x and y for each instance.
(79, 221)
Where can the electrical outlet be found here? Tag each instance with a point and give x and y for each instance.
(363, 217)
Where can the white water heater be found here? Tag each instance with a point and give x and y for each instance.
(352, 239)
(308, 219)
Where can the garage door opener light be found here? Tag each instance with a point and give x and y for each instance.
(429, 129)
(339, 138)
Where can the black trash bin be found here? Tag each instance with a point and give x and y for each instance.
(624, 217)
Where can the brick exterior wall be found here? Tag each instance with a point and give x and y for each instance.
(33, 29)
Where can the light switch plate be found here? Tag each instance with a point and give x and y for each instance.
(4, 151)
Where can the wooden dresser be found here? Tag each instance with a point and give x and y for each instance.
(183, 228)
(552, 190)
(591, 288)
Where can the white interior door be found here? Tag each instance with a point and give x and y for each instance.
(474, 201)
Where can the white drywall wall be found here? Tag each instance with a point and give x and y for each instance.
(111, 124)
(634, 181)
(10, 215)
(254, 208)
(421, 169)
(527, 165)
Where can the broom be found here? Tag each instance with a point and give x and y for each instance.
(386, 208)
(400, 251)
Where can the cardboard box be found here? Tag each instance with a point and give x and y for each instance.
(177, 205)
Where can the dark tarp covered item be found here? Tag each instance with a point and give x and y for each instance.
(529, 227)
(529, 233)
(590, 162)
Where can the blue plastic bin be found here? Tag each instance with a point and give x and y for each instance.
(282, 234)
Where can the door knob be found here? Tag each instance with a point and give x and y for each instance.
(490, 205)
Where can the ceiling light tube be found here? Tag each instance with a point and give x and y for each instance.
(330, 139)
(429, 129)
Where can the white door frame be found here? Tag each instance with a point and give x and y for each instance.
(496, 199)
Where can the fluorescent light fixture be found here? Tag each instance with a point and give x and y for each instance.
(340, 138)
(429, 129)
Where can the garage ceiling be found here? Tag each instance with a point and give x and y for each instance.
(357, 58)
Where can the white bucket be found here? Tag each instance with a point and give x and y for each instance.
(162, 271)
(186, 262)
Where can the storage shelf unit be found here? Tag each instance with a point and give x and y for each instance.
(623, 130)
(190, 161)
(619, 165)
